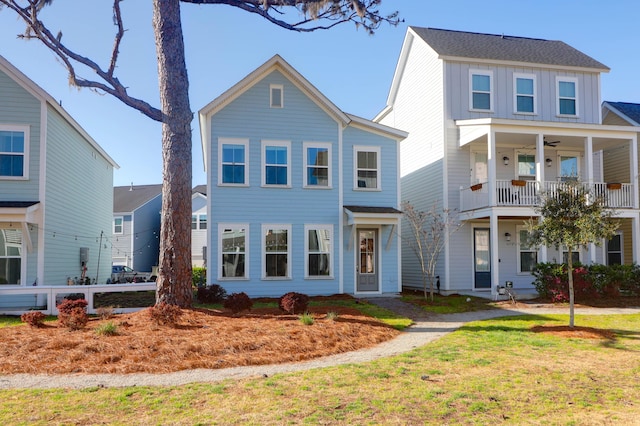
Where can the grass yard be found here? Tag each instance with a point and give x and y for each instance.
(489, 372)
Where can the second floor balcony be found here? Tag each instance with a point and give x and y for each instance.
(526, 193)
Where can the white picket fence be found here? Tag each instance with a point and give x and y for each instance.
(45, 297)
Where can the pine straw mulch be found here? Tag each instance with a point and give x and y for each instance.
(202, 338)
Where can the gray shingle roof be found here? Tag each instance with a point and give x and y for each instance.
(372, 209)
(17, 204)
(505, 48)
(629, 109)
(202, 189)
(128, 198)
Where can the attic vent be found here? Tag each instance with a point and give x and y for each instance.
(276, 95)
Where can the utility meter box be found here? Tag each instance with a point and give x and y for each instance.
(84, 255)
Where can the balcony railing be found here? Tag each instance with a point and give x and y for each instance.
(520, 193)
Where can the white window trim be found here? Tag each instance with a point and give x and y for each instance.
(307, 145)
(606, 248)
(198, 217)
(488, 73)
(517, 165)
(221, 228)
(563, 250)
(577, 87)
(363, 148)
(263, 170)
(121, 226)
(265, 228)
(234, 141)
(519, 270)
(27, 144)
(307, 228)
(276, 86)
(532, 77)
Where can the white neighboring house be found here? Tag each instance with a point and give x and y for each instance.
(199, 226)
(492, 121)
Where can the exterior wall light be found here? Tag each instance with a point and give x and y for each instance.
(505, 160)
(548, 161)
(507, 236)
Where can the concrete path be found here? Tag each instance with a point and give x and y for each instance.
(426, 328)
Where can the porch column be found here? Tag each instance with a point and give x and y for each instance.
(633, 151)
(540, 163)
(495, 256)
(588, 149)
(491, 166)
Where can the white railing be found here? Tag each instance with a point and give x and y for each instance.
(46, 297)
(520, 193)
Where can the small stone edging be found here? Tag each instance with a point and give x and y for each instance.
(426, 328)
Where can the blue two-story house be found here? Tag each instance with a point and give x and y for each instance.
(301, 196)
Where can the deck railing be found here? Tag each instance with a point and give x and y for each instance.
(521, 193)
(44, 298)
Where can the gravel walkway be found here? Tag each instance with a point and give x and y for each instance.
(426, 328)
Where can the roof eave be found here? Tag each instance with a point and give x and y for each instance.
(522, 64)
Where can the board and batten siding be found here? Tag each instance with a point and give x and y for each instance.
(419, 106)
(458, 93)
(19, 107)
(300, 120)
(78, 205)
(146, 235)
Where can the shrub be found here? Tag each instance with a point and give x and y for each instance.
(165, 314)
(72, 313)
(211, 294)
(332, 316)
(107, 329)
(294, 303)
(238, 302)
(198, 276)
(34, 319)
(105, 312)
(306, 318)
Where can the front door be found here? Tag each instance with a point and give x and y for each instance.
(367, 275)
(482, 258)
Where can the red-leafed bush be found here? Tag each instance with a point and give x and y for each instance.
(73, 313)
(165, 314)
(34, 319)
(294, 303)
(238, 302)
(211, 294)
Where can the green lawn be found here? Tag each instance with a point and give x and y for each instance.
(488, 372)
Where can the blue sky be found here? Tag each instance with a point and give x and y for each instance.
(353, 69)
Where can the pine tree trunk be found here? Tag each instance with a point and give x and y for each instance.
(174, 273)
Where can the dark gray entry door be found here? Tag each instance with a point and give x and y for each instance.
(367, 275)
(482, 257)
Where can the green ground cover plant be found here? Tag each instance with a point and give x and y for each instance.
(513, 370)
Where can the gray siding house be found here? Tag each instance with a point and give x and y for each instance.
(135, 234)
(55, 191)
(492, 121)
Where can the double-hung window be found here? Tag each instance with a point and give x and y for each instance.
(317, 161)
(318, 245)
(276, 248)
(198, 221)
(14, 152)
(525, 93)
(10, 255)
(118, 225)
(567, 96)
(234, 166)
(527, 253)
(367, 167)
(233, 246)
(481, 83)
(614, 250)
(276, 157)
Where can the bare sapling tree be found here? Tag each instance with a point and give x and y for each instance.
(174, 111)
(571, 216)
(429, 232)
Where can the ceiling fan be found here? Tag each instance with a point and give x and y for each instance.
(550, 143)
